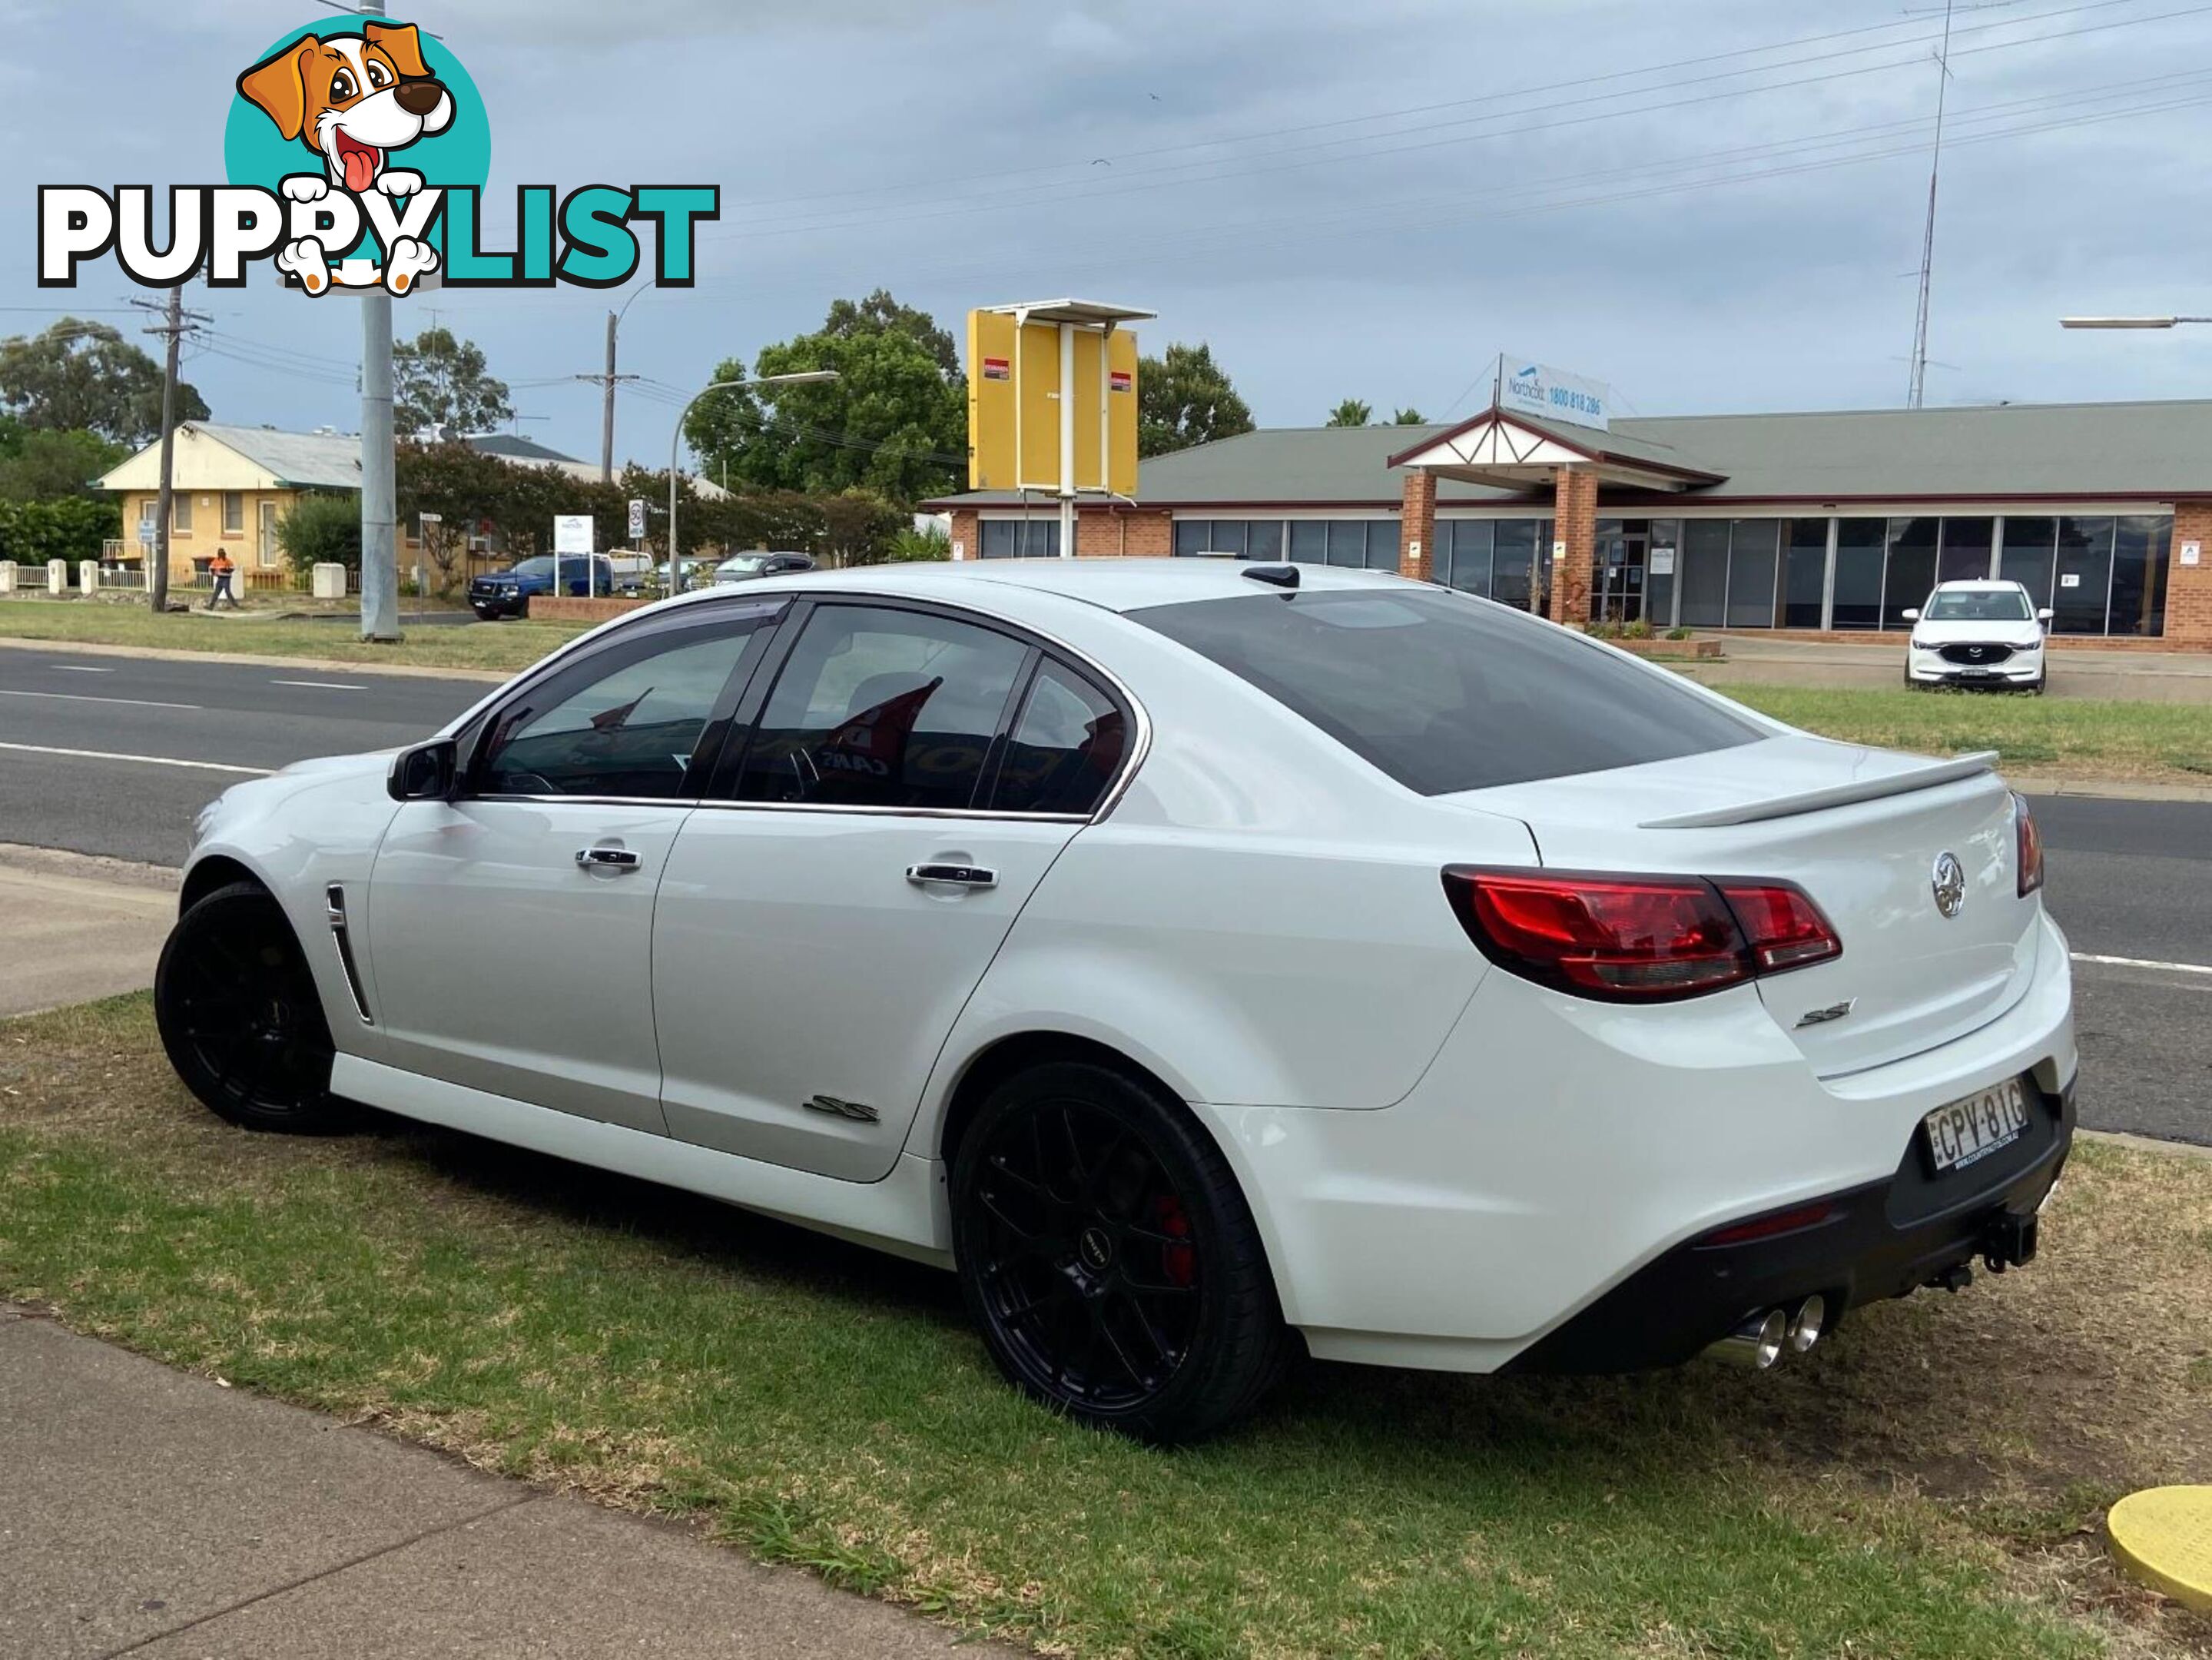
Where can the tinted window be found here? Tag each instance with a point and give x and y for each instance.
(1446, 693)
(1859, 543)
(625, 727)
(879, 707)
(1977, 605)
(1065, 748)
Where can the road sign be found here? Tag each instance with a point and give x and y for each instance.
(1052, 398)
(572, 532)
(431, 518)
(636, 518)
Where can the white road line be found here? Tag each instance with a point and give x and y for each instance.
(80, 698)
(150, 760)
(321, 685)
(77, 668)
(2141, 963)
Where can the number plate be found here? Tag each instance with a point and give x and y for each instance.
(1962, 1131)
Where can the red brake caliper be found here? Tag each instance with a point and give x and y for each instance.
(1179, 1263)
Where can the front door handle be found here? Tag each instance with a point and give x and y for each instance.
(965, 876)
(609, 859)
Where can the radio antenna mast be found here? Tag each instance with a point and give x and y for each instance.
(1927, 240)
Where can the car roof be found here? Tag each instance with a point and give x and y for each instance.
(1977, 585)
(1119, 585)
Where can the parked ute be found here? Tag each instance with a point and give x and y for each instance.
(1198, 958)
(507, 592)
(1977, 633)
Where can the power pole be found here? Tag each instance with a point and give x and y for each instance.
(607, 381)
(176, 323)
(379, 546)
(1927, 240)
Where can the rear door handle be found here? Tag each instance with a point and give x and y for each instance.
(966, 876)
(614, 859)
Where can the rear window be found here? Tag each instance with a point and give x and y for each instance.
(1444, 691)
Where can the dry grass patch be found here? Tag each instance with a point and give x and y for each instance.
(1929, 1485)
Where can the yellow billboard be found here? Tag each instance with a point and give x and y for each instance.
(1016, 404)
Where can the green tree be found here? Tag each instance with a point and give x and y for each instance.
(1184, 398)
(69, 527)
(37, 464)
(1351, 413)
(323, 528)
(78, 375)
(441, 381)
(893, 423)
(1409, 417)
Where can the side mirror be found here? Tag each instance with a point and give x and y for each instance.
(424, 773)
(2044, 614)
(1911, 614)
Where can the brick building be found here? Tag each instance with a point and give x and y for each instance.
(1831, 523)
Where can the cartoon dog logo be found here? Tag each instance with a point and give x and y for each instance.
(353, 99)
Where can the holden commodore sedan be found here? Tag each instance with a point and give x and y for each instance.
(1202, 960)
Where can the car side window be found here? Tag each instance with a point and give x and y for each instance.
(1068, 744)
(627, 729)
(882, 707)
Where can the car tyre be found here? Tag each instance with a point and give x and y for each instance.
(240, 1017)
(1109, 1256)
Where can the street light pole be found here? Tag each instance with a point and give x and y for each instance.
(2127, 322)
(380, 547)
(675, 440)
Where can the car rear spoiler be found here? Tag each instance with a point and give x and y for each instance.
(1836, 795)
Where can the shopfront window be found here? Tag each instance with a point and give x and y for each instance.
(1965, 554)
(1705, 573)
(1513, 560)
(1019, 539)
(1860, 546)
(2084, 575)
(2024, 558)
(2139, 551)
(1804, 571)
(1752, 567)
(1911, 573)
(1463, 549)
(1660, 562)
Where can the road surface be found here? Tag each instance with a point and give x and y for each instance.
(87, 748)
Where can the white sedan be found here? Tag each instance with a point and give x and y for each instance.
(1204, 960)
(1977, 633)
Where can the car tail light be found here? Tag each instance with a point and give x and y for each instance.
(1774, 1223)
(1637, 939)
(2031, 846)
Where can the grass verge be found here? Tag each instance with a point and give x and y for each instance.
(2169, 742)
(501, 646)
(1924, 1487)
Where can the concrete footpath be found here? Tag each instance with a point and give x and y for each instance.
(73, 927)
(148, 1512)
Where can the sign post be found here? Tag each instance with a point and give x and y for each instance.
(572, 533)
(1052, 403)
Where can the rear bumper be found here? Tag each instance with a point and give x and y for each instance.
(1885, 1240)
(1557, 1150)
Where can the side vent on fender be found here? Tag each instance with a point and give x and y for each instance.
(334, 904)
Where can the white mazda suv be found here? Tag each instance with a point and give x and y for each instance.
(1977, 633)
(1203, 960)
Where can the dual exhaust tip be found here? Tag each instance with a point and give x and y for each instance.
(1764, 1339)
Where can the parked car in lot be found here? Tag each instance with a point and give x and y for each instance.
(507, 592)
(1977, 633)
(1198, 959)
(744, 566)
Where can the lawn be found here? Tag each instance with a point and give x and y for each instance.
(1928, 1485)
(500, 646)
(2161, 742)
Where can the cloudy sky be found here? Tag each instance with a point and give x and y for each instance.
(1712, 205)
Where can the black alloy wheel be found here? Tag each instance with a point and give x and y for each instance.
(240, 1017)
(1106, 1252)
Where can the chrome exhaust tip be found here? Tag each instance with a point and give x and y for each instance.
(1808, 1324)
(1757, 1343)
